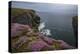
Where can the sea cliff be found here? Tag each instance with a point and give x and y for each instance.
(25, 36)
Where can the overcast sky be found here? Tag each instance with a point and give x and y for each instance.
(46, 7)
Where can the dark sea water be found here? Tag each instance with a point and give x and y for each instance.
(60, 26)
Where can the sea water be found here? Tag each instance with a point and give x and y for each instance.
(57, 26)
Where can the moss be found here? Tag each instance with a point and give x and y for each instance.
(56, 46)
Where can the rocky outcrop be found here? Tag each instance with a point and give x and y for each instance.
(75, 28)
(75, 24)
(25, 16)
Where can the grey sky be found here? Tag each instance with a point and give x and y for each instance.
(46, 7)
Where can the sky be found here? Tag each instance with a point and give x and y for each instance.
(47, 7)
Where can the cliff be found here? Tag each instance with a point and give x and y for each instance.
(75, 29)
(24, 22)
(25, 16)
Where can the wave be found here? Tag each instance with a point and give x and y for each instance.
(41, 28)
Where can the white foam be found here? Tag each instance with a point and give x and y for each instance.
(44, 31)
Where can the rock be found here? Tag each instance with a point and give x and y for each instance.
(75, 29)
(75, 24)
(25, 16)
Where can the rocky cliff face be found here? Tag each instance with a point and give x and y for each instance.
(75, 28)
(75, 24)
(23, 35)
(25, 16)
